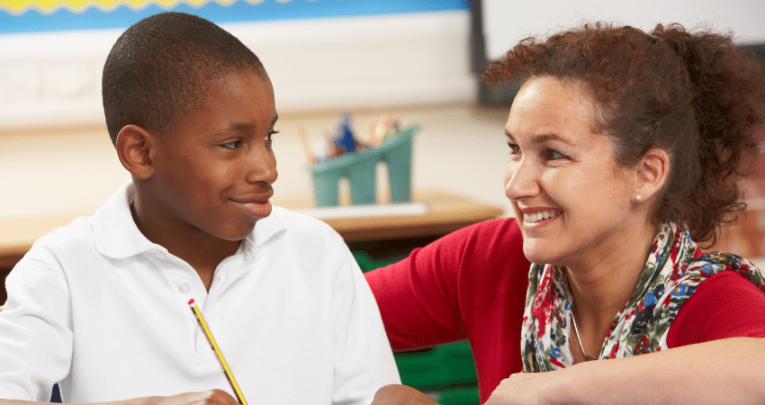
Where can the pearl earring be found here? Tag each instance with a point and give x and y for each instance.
(638, 198)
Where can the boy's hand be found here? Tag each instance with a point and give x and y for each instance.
(211, 397)
(395, 394)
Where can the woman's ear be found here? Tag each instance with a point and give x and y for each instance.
(133, 148)
(651, 174)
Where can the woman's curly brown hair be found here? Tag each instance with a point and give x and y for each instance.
(692, 94)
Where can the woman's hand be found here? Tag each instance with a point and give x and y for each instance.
(526, 388)
(395, 394)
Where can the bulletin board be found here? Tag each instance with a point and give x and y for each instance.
(28, 16)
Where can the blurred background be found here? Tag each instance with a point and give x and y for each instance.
(418, 61)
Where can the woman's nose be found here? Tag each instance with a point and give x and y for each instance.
(521, 180)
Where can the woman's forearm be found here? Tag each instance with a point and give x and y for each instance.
(728, 371)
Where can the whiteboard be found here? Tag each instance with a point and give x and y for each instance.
(505, 22)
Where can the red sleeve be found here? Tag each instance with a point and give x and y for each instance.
(725, 305)
(418, 295)
(469, 284)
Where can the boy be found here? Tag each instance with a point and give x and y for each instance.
(100, 306)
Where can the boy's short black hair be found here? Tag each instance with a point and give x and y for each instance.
(160, 68)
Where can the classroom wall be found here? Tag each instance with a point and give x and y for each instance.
(368, 54)
(55, 156)
(507, 22)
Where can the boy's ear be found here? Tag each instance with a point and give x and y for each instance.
(651, 174)
(133, 148)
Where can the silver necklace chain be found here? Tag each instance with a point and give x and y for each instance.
(579, 339)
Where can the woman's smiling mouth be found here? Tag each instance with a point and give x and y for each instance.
(531, 218)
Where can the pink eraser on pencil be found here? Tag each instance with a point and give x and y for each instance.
(191, 301)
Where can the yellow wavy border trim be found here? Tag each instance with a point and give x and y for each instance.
(18, 7)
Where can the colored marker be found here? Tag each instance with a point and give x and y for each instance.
(344, 135)
(221, 360)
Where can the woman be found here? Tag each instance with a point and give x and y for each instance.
(625, 149)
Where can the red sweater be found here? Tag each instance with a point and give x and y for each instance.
(471, 284)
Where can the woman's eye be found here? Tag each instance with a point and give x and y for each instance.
(554, 155)
(271, 134)
(514, 149)
(230, 145)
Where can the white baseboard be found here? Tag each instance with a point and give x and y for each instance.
(54, 79)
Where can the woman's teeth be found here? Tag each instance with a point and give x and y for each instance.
(538, 216)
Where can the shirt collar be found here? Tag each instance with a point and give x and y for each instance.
(267, 228)
(117, 236)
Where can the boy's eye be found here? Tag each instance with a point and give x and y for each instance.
(231, 145)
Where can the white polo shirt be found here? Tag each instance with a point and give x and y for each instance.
(99, 308)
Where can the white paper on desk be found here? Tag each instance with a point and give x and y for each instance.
(366, 211)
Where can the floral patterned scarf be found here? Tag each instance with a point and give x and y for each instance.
(674, 270)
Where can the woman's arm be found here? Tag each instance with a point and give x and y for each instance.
(707, 361)
(728, 371)
(471, 283)
(432, 296)
(417, 296)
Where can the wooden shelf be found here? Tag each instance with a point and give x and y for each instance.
(446, 213)
(18, 235)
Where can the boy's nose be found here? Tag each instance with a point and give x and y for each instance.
(262, 167)
(521, 181)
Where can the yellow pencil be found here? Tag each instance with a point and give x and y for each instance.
(216, 349)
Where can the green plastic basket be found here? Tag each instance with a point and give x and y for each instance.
(360, 170)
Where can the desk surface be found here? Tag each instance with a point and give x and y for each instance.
(446, 213)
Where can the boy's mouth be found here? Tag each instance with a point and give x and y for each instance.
(254, 208)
